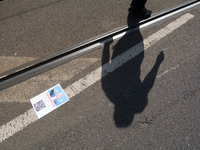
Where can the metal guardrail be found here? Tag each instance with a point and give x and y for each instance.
(51, 61)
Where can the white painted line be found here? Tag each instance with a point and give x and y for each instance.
(95, 76)
(13, 61)
(29, 117)
(169, 70)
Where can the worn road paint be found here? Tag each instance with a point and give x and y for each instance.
(29, 117)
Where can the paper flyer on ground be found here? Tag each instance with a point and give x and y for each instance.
(49, 100)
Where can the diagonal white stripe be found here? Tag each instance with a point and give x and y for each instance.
(29, 117)
(94, 76)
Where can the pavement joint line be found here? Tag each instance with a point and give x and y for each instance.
(19, 123)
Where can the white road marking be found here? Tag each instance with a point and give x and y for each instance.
(169, 70)
(13, 61)
(29, 117)
(45, 78)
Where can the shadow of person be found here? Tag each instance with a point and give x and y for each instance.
(123, 86)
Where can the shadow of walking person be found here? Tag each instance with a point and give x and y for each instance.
(123, 85)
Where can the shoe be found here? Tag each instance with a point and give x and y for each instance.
(143, 13)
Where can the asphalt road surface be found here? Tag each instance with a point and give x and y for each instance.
(141, 92)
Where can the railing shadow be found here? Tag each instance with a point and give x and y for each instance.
(123, 86)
